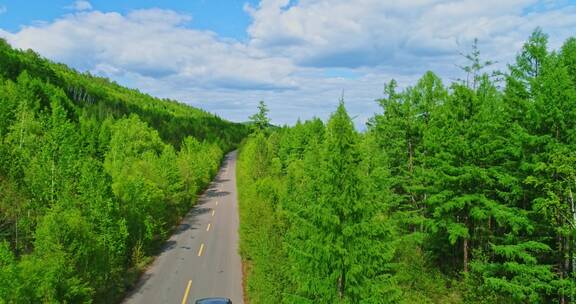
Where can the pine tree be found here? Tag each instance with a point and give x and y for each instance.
(552, 174)
(339, 239)
(260, 119)
(568, 57)
(399, 133)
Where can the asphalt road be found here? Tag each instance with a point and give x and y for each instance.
(201, 259)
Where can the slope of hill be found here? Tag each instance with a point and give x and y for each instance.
(93, 177)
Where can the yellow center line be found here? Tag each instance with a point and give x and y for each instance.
(208, 228)
(201, 250)
(213, 211)
(187, 292)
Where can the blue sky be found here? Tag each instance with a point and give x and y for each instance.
(225, 17)
(297, 56)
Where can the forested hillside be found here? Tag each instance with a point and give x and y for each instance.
(93, 178)
(458, 193)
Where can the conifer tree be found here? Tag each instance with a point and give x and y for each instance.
(568, 56)
(260, 119)
(399, 133)
(340, 247)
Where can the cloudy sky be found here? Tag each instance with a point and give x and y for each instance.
(297, 56)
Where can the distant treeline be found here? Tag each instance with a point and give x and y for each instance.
(453, 194)
(93, 177)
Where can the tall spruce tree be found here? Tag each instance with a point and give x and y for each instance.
(339, 245)
(399, 132)
(541, 93)
(260, 119)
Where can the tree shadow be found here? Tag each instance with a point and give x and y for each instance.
(190, 221)
(197, 212)
(216, 193)
(169, 245)
(181, 228)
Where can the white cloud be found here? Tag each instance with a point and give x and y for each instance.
(295, 50)
(155, 44)
(80, 5)
(342, 33)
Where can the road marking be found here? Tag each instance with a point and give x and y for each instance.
(216, 203)
(213, 211)
(187, 292)
(201, 250)
(208, 228)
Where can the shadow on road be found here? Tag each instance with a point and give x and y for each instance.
(169, 245)
(196, 212)
(215, 193)
(191, 219)
(182, 227)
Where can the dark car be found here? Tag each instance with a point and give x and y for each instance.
(214, 301)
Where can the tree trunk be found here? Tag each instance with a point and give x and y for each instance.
(571, 240)
(16, 233)
(410, 157)
(567, 259)
(465, 247)
(52, 187)
(341, 282)
(561, 266)
(465, 255)
(21, 130)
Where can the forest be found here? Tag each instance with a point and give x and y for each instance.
(93, 178)
(458, 193)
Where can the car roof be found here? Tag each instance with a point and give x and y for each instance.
(213, 301)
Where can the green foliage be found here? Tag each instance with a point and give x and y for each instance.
(93, 177)
(262, 224)
(311, 233)
(8, 275)
(459, 194)
(568, 57)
